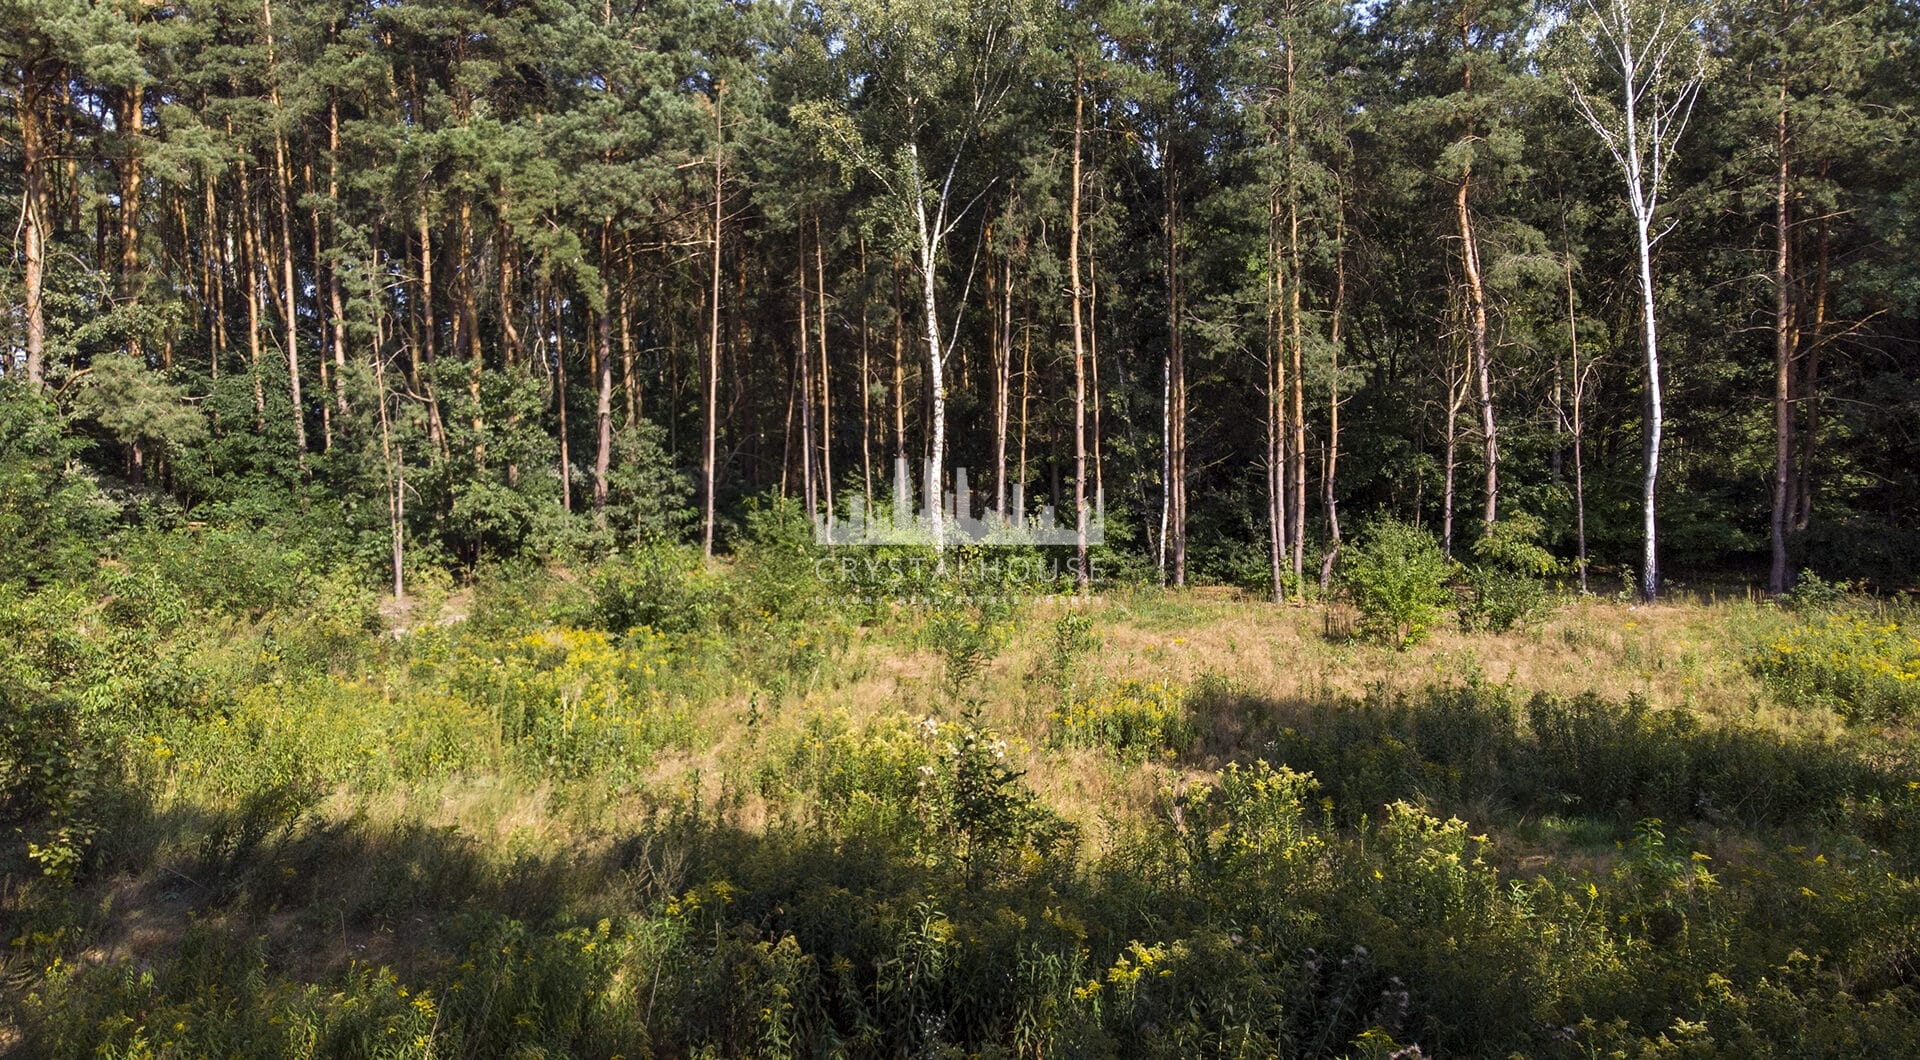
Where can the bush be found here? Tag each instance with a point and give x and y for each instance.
(1506, 586)
(663, 587)
(1398, 580)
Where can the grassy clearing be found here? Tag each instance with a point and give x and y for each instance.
(661, 809)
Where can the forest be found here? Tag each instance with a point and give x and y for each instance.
(888, 528)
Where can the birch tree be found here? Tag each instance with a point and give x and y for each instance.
(1650, 68)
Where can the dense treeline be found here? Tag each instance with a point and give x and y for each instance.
(470, 278)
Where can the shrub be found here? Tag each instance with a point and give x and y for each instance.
(1506, 586)
(1398, 579)
(661, 586)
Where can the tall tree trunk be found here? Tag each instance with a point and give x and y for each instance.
(1810, 386)
(899, 368)
(1276, 384)
(708, 470)
(250, 250)
(334, 297)
(936, 356)
(805, 374)
(560, 396)
(1477, 322)
(826, 372)
(33, 221)
(467, 328)
(603, 401)
(283, 178)
(130, 287)
(1783, 355)
(1579, 398)
(866, 382)
(1330, 473)
(1174, 513)
(1079, 345)
(436, 429)
(1298, 517)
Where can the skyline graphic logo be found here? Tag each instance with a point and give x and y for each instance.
(902, 524)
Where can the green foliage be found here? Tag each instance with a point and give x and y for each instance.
(1506, 585)
(1135, 720)
(1397, 577)
(136, 407)
(51, 512)
(660, 586)
(1867, 669)
(1811, 592)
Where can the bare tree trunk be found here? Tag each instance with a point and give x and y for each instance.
(33, 218)
(826, 372)
(936, 355)
(284, 179)
(1276, 389)
(899, 368)
(1579, 425)
(708, 470)
(560, 396)
(136, 118)
(1332, 467)
(1810, 388)
(866, 384)
(250, 250)
(436, 429)
(335, 301)
(1079, 346)
(806, 395)
(1174, 513)
(1783, 355)
(1477, 318)
(1000, 298)
(603, 400)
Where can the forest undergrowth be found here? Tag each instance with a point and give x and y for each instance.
(658, 807)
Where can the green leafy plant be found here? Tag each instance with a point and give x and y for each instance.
(1397, 578)
(1506, 586)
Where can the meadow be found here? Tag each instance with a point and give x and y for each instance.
(658, 807)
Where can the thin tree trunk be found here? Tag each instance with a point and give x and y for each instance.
(33, 222)
(936, 355)
(1477, 321)
(1174, 514)
(1332, 468)
(250, 250)
(708, 468)
(1079, 346)
(1276, 381)
(1579, 424)
(603, 399)
(899, 368)
(560, 396)
(806, 394)
(284, 180)
(826, 372)
(335, 301)
(866, 383)
(1783, 355)
(136, 117)
(1810, 389)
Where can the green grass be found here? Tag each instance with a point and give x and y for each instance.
(569, 822)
